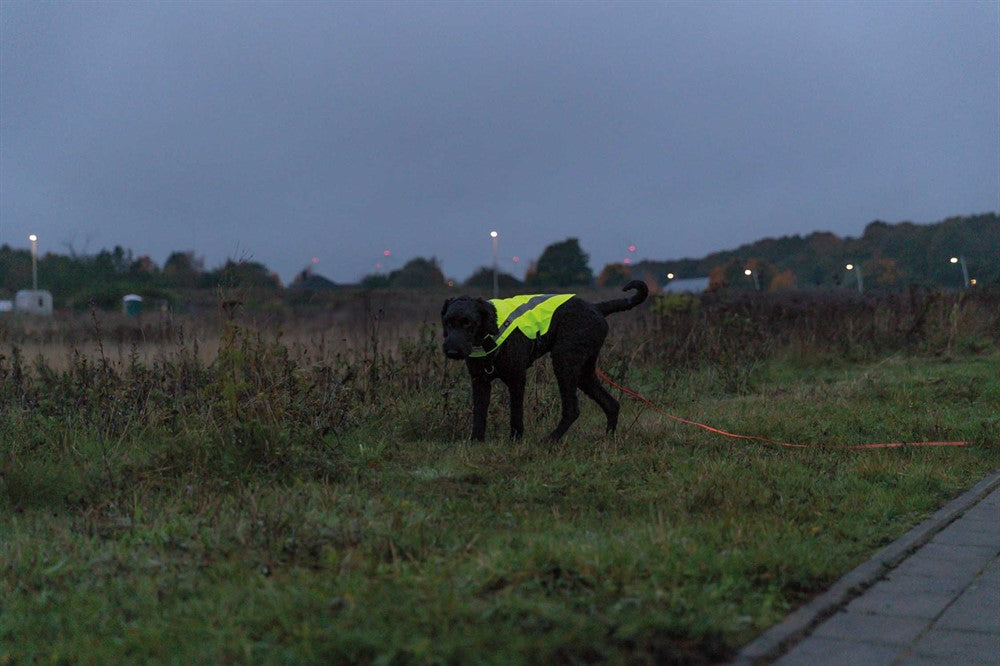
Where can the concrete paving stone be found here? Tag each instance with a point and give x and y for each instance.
(977, 609)
(907, 596)
(978, 518)
(839, 652)
(980, 525)
(988, 507)
(984, 511)
(979, 532)
(967, 537)
(967, 646)
(957, 562)
(991, 574)
(872, 628)
(957, 553)
(925, 660)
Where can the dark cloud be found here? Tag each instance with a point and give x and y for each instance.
(283, 131)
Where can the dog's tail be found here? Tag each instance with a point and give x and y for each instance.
(622, 304)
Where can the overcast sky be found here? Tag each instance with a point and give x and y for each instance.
(279, 132)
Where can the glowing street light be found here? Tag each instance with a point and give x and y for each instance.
(496, 276)
(34, 261)
(965, 271)
(670, 276)
(753, 274)
(857, 274)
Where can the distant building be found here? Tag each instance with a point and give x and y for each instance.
(686, 286)
(30, 301)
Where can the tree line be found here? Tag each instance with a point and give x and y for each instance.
(81, 281)
(890, 256)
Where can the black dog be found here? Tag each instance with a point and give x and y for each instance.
(574, 333)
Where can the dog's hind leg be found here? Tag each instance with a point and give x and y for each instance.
(591, 386)
(567, 370)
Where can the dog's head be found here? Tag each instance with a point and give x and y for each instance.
(466, 321)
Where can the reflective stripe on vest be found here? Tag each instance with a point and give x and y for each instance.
(529, 314)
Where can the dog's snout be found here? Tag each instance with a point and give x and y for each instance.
(452, 351)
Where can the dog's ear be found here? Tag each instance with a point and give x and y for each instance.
(444, 308)
(487, 316)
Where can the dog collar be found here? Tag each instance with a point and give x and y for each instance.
(489, 345)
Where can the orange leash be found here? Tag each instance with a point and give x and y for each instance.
(888, 445)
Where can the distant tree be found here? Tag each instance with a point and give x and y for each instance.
(717, 278)
(143, 267)
(613, 275)
(119, 258)
(483, 279)
(183, 269)
(563, 264)
(765, 273)
(418, 273)
(241, 274)
(784, 280)
(887, 273)
(375, 281)
(531, 274)
(732, 275)
(681, 268)
(15, 269)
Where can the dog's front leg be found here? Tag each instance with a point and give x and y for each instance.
(481, 388)
(515, 385)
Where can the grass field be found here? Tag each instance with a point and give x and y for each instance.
(297, 503)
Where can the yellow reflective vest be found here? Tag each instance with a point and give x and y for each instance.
(529, 314)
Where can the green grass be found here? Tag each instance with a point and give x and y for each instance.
(288, 511)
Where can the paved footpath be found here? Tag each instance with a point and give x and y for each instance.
(931, 597)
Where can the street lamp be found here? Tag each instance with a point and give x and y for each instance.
(496, 279)
(34, 261)
(857, 274)
(965, 271)
(753, 274)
